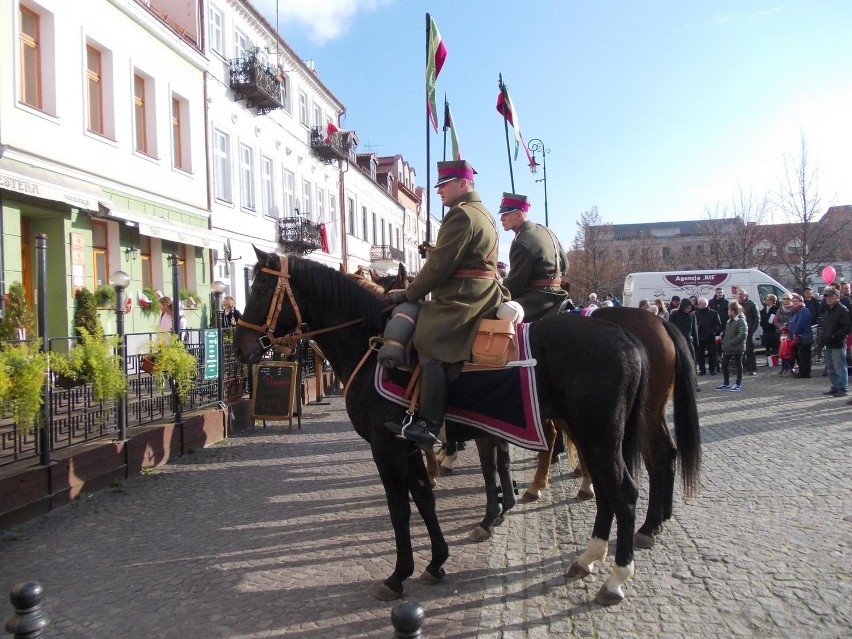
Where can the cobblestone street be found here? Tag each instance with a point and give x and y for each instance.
(286, 534)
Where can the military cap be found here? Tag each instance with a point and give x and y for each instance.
(513, 202)
(452, 170)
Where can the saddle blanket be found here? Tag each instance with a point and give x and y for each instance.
(502, 401)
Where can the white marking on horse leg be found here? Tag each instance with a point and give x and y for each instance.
(617, 578)
(586, 486)
(449, 461)
(595, 552)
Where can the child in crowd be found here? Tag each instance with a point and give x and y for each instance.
(785, 353)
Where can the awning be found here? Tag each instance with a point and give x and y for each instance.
(48, 185)
(164, 229)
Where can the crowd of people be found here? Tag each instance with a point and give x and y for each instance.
(721, 333)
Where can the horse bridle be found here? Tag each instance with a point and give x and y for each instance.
(283, 291)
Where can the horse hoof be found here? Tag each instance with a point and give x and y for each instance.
(576, 570)
(576, 473)
(499, 520)
(643, 541)
(584, 495)
(386, 594)
(479, 534)
(608, 598)
(445, 470)
(429, 579)
(528, 497)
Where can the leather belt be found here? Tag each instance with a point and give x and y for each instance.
(470, 272)
(556, 281)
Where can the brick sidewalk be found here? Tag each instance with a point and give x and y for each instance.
(286, 534)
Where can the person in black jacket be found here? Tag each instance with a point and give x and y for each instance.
(836, 326)
(771, 338)
(709, 326)
(684, 318)
(719, 304)
(752, 316)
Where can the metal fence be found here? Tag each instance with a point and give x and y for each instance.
(76, 417)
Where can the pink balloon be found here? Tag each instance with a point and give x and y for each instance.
(828, 274)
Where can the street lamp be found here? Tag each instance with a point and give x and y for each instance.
(218, 287)
(120, 281)
(536, 145)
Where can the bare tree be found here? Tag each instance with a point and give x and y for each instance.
(804, 247)
(733, 229)
(595, 267)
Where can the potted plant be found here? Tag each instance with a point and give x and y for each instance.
(22, 373)
(19, 319)
(188, 299)
(94, 359)
(168, 359)
(86, 312)
(149, 302)
(105, 296)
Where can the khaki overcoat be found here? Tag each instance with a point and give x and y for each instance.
(446, 326)
(535, 254)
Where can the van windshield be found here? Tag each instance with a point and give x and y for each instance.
(765, 289)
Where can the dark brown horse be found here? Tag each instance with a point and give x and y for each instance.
(601, 397)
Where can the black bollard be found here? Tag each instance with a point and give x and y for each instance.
(29, 620)
(407, 620)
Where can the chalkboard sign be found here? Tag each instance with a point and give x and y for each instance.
(274, 390)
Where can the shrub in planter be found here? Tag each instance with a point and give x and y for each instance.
(169, 360)
(22, 371)
(189, 299)
(19, 320)
(105, 296)
(86, 313)
(94, 359)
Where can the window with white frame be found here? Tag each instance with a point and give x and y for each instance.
(181, 147)
(364, 234)
(216, 31)
(332, 207)
(284, 88)
(317, 116)
(32, 36)
(222, 181)
(144, 114)
(307, 204)
(240, 44)
(267, 189)
(99, 91)
(288, 186)
(247, 199)
(353, 228)
(320, 216)
(303, 108)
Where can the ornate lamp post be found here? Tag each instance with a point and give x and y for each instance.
(120, 281)
(218, 287)
(535, 145)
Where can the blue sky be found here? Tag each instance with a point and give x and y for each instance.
(652, 110)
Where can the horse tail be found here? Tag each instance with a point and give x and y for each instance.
(685, 410)
(631, 445)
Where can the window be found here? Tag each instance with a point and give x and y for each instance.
(100, 253)
(306, 196)
(353, 229)
(667, 252)
(288, 184)
(217, 37)
(222, 165)
(247, 177)
(332, 207)
(144, 114)
(303, 108)
(320, 217)
(364, 235)
(284, 88)
(375, 229)
(94, 90)
(267, 189)
(30, 51)
(181, 157)
(145, 257)
(240, 45)
(317, 116)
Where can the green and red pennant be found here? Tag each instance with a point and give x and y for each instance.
(451, 126)
(434, 62)
(507, 110)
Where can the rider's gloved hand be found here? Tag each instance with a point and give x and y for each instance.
(397, 297)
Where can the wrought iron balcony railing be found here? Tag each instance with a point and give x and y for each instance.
(299, 235)
(330, 147)
(256, 82)
(386, 252)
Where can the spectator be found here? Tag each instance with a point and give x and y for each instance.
(846, 300)
(611, 298)
(801, 332)
(719, 304)
(230, 315)
(752, 316)
(771, 339)
(785, 353)
(836, 326)
(166, 321)
(709, 325)
(694, 300)
(662, 311)
(733, 346)
(673, 304)
(684, 318)
(652, 308)
(811, 303)
(643, 304)
(593, 301)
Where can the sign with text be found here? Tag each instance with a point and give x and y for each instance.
(211, 354)
(274, 390)
(695, 279)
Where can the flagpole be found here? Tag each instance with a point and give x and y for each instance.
(506, 127)
(446, 120)
(428, 160)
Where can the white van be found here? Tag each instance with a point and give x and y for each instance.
(664, 284)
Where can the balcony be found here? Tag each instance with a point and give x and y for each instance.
(332, 146)
(385, 253)
(299, 235)
(256, 83)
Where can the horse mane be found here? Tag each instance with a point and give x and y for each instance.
(347, 294)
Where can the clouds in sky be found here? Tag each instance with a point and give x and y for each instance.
(324, 19)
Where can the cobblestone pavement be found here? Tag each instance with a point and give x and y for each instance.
(286, 534)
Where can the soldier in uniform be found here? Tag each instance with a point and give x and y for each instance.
(537, 262)
(461, 275)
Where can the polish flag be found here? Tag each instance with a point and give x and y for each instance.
(144, 300)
